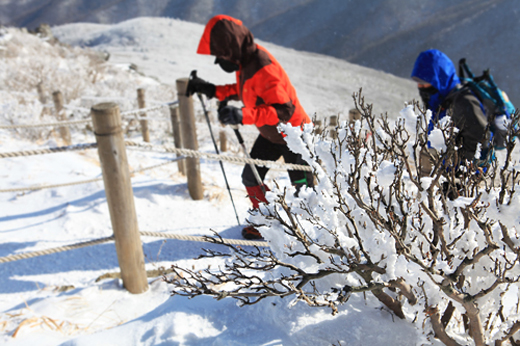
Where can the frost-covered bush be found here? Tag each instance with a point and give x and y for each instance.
(440, 250)
(33, 67)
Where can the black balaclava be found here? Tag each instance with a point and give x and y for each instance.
(227, 65)
(426, 94)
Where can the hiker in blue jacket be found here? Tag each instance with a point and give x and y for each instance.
(441, 92)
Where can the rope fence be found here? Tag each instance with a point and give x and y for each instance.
(75, 147)
(117, 144)
(41, 187)
(165, 149)
(130, 112)
(217, 157)
(204, 239)
(26, 255)
(134, 112)
(57, 124)
(148, 109)
(17, 257)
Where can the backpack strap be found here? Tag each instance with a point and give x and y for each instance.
(486, 90)
(463, 67)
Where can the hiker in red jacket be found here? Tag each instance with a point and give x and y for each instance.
(267, 94)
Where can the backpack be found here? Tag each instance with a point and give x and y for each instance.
(495, 104)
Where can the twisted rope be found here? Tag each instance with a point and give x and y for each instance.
(32, 254)
(86, 110)
(159, 150)
(49, 150)
(57, 124)
(41, 187)
(168, 149)
(146, 118)
(149, 109)
(158, 165)
(26, 255)
(131, 112)
(204, 239)
(216, 157)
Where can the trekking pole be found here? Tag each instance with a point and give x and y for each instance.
(246, 153)
(253, 167)
(217, 151)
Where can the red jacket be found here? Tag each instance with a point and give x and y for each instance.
(262, 84)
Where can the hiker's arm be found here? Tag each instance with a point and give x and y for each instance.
(227, 92)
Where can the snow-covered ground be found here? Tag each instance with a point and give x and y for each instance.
(55, 299)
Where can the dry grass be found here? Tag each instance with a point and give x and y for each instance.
(215, 194)
(26, 320)
(28, 324)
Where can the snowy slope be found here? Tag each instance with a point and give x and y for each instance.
(160, 47)
(37, 295)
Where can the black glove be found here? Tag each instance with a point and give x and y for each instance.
(230, 115)
(199, 85)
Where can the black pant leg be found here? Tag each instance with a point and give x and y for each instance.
(263, 149)
(297, 177)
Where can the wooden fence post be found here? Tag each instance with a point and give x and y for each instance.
(177, 135)
(43, 99)
(318, 129)
(189, 139)
(333, 122)
(120, 197)
(223, 140)
(41, 93)
(353, 115)
(144, 123)
(57, 97)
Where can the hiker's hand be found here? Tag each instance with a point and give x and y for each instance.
(199, 85)
(230, 115)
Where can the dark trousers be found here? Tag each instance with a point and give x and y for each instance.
(263, 149)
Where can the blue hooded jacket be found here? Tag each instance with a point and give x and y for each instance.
(434, 67)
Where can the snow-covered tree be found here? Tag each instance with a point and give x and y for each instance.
(440, 249)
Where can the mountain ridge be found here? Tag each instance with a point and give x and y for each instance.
(386, 35)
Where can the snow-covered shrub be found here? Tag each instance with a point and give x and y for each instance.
(33, 67)
(441, 250)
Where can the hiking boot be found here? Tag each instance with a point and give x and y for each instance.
(251, 233)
